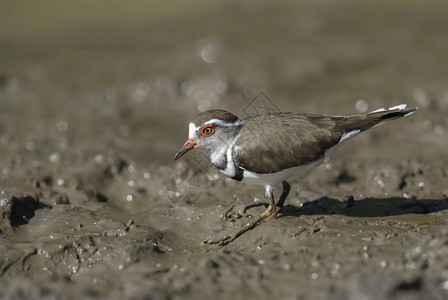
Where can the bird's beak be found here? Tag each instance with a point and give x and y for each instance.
(189, 144)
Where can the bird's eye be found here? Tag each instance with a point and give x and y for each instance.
(208, 130)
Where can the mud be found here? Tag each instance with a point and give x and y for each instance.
(93, 108)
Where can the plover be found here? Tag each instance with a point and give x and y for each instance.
(269, 149)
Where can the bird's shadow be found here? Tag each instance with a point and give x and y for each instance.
(367, 207)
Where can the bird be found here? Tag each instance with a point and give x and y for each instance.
(269, 149)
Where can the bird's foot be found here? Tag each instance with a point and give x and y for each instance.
(231, 237)
(218, 240)
(276, 211)
(269, 211)
(226, 216)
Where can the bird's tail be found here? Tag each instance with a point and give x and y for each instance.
(363, 122)
(393, 112)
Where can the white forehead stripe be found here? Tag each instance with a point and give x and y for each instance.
(191, 130)
(224, 124)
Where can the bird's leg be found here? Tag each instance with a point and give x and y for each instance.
(272, 208)
(281, 201)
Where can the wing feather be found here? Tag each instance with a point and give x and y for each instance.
(271, 143)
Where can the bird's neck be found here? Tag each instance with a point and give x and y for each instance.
(219, 156)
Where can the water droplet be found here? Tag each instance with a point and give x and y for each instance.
(54, 157)
(427, 125)
(5, 171)
(362, 105)
(438, 129)
(366, 255)
(314, 276)
(187, 88)
(445, 285)
(62, 126)
(30, 146)
(129, 197)
(131, 183)
(142, 89)
(207, 50)
(147, 176)
(203, 105)
(421, 97)
(99, 158)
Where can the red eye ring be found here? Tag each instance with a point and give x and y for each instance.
(208, 130)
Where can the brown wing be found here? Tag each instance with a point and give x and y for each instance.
(271, 143)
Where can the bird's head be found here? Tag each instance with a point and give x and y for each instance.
(212, 131)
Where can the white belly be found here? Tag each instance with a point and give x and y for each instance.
(274, 179)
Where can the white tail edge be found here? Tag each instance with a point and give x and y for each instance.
(401, 106)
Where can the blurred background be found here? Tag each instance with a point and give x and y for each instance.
(86, 76)
(96, 97)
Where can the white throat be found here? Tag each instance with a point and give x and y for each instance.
(219, 153)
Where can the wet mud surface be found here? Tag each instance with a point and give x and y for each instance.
(92, 205)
